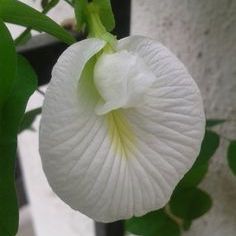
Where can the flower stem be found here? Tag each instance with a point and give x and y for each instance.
(97, 29)
(172, 216)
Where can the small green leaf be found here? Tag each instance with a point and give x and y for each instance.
(153, 224)
(7, 63)
(80, 13)
(194, 176)
(213, 122)
(11, 114)
(231, 156)
(29, 118)
(190, 203)
(106, 13)
(210, 144)
(19, 13)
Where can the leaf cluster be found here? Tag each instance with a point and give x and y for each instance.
(17, 82)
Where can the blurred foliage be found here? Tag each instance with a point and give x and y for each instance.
(17, 82)
(214, 122)
(8, 63)
(153, 224)
(105, 13)
(80, 13)
(231, 156)
(8, 202)
(190, 203)
(12, 112)
(210, 143)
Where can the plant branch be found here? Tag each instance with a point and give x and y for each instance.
(69, 2)
(172, 216)
(41, 92)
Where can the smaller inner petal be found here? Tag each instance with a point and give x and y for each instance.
(121, 79)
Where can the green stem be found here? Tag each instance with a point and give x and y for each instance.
(176, 219)
(96, 28)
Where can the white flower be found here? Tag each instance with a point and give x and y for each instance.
(119, 130)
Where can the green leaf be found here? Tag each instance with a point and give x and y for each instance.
(80, 13)
(214, 122)
(194, 176)
(11, 114)
(153, 224)
(210, 144)
(19, 13)
(231, 156)
(29, 119)
(190, 203)
(7, 63)
(8, 202)
(106, 13)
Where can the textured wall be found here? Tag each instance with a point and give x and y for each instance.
(203, 35)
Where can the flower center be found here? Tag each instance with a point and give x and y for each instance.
(121, 79)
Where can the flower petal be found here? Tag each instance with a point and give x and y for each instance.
(130, 79)
(169, 126)
(126, 162)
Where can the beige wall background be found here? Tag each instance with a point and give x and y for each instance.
(203, 35)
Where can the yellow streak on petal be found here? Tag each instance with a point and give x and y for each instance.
(121, 133)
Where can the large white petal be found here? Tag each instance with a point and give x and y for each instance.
(169, 127)
(128, 161)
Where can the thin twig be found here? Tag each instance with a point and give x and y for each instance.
(41, 92)
(69, 2)
(224, 137)
(172, 216)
